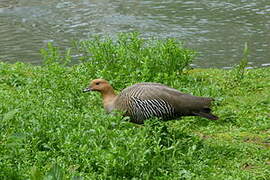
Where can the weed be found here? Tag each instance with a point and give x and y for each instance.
(51, 130)
(131, 58)
(238, 72)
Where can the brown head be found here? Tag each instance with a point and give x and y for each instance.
(100, 85)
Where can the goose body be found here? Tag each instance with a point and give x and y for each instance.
(142, 101)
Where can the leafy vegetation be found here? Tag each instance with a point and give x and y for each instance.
(51, 130)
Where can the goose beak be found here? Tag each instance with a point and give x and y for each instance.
(87, 90)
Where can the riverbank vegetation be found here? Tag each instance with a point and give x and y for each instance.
(51, 130)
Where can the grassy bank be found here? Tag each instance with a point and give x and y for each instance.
(50, 129)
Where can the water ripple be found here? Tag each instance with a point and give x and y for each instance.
(217, 30)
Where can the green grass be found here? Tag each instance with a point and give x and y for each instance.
(51, 130)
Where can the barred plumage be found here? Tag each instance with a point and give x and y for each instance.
(145, 109)
(145, 100)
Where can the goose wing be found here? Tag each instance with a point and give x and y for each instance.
(183, 104)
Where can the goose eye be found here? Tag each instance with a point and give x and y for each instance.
(97, 83)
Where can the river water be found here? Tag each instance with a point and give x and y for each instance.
(216, 29)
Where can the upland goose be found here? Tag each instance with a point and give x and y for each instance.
(145, 100)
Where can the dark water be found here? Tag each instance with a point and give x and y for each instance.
(216, 29)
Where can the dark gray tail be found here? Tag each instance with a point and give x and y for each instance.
(206, 113)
